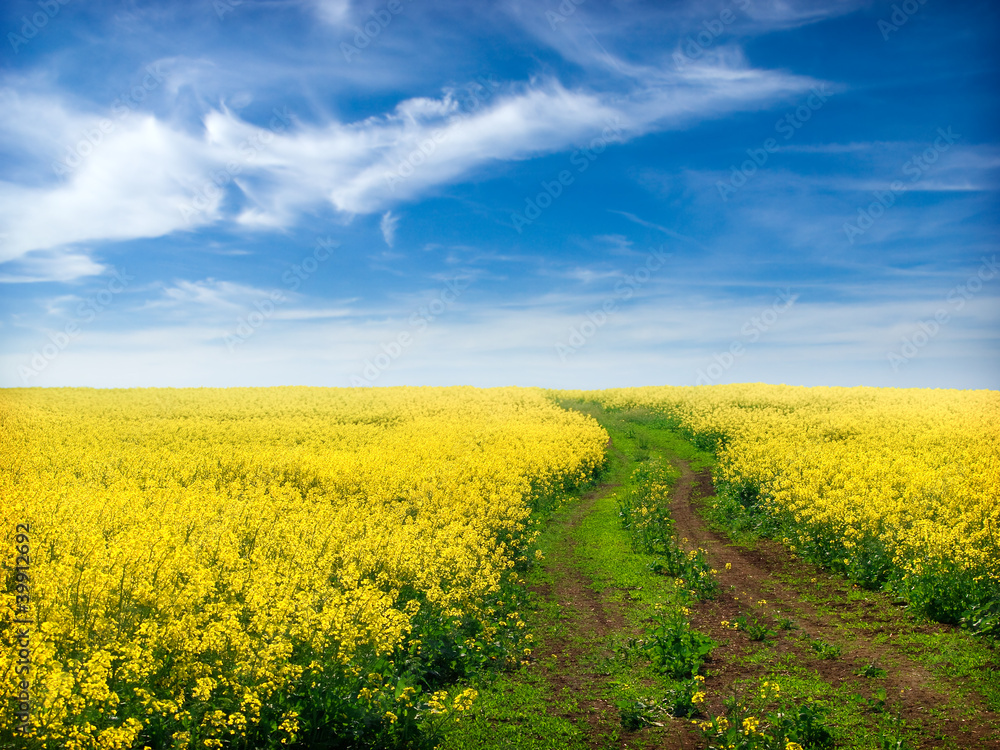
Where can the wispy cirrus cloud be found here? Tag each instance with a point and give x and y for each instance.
(130, 187)
(388, 226)
(238, 138)
(51, 265)
(503, 342)
(149, 177)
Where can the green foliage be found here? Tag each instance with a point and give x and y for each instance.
(751, 726)
(943, 591)
(675, 648)
(888, 740)
(877, 704)
(691, 567)
(687, 698)
(871, 670)
(684, 700)
(628, 651)
(806, 725)
(892, 734)
(743, 524)
(644, 506)
(940, 590)
(644, 510)
(755, 628)
(638, 713)
(826, 650)
(983, 617)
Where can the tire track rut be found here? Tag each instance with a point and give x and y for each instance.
(748, 577)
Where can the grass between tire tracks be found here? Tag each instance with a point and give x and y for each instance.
(621, 641)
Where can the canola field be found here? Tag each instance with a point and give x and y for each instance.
(251, 568)
(311, 567)
(896, 488)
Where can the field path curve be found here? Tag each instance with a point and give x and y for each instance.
(770, 573)
(883, 675)
(591, 616)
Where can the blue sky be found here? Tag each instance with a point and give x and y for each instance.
(573, 194)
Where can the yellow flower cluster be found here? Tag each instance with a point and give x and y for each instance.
(918, 470)
(203, 549)
(643, 507)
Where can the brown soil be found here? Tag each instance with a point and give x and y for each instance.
(749, 577)
(591, 618)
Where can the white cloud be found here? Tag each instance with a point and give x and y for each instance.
(583, 275)
(225, 295)
(654, 339)
(55, 265)
(839, 148)
(920, 166)
(323, 314)
(149, 178)
(780, 14)
(588, 33)
(132, 185)
(388, 226)
(222, 302)
(371, 165)
(658, 227)
(334, 12)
